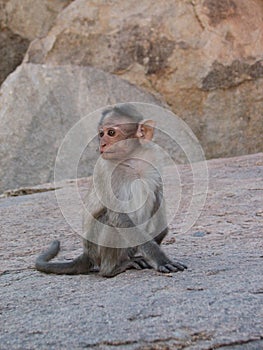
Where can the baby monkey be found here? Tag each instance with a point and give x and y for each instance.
(124, 221)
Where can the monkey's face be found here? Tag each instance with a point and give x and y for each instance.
(117, 141)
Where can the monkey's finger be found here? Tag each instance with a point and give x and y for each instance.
(171, 268)
(142, 263)
(145, 265)
(179, 266)
(136, 266)
(163, 269)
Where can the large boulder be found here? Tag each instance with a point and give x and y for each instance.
(12, 50)
(39, 105)
(20, 22)
(30, 18)
(204, 57)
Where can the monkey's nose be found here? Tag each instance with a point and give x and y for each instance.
(102, 147)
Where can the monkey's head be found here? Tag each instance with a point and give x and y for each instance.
(122, 130)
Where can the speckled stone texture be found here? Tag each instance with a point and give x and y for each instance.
(216, 304)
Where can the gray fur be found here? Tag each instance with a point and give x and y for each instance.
(105, 243)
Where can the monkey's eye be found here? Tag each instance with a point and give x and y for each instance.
(111, 132)
(101, 133)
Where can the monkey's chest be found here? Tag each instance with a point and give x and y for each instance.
(135, 203)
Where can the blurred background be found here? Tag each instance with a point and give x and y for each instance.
(63, 59)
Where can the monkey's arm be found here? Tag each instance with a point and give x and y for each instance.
(94, 210)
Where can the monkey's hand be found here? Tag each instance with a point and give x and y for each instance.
(155, 257)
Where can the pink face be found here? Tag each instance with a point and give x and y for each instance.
(108, 136)
(116, 140)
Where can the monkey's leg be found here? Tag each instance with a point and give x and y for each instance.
(80, 265)
(158, 260)
(158, 239)
(127, 265)
(116, 260)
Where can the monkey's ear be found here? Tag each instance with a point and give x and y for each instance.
(146, 129)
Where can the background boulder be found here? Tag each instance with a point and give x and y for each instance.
(204, 57)
(39, 105)
(20, 22)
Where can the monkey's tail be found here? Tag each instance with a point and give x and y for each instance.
(77, 266)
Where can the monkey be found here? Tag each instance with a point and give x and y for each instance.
(124, 221)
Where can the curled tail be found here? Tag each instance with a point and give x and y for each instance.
(80, 265)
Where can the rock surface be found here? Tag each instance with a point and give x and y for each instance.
(30, 18)
(21, 21)
(216, 304)
(204, 57)
(39, 105)
(12, 50)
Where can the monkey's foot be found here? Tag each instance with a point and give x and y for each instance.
(172, 266)
(140, 262)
